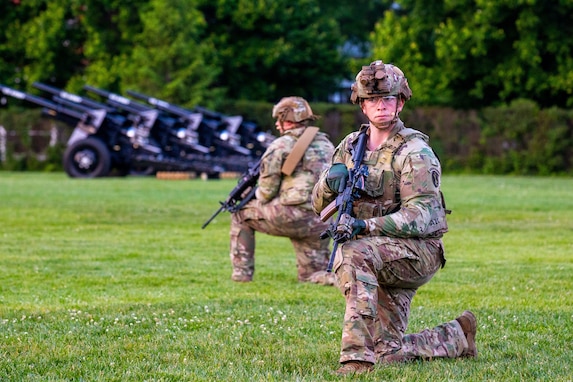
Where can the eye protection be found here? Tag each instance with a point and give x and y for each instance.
(386, 100)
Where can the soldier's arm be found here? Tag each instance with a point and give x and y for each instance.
(322, 195)
(270, 176)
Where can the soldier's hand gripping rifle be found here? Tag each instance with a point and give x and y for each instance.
(355, 183)
(243, 192)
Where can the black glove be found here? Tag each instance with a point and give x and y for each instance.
(336, 177)
(348, 227)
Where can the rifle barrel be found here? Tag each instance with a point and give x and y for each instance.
(213, 217)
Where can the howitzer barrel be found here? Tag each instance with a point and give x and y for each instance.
(117, 100)
(192, 118)
(53, 109)
(126, 107)
(58, 92)
(160, 104)
(62, 94)
(93, 117)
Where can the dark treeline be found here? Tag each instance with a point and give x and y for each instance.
(455, 53)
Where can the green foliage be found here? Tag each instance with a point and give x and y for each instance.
(111, 29)
(406, 40)
(552, 143)
(188, 55)
(53, 41)
(53, 161)
(356, 20)
(13, 21)
(456, 53)
(114, 280)
(462, 53)
(168, 57)
(26, 152)
(268, 49)
(521, 139)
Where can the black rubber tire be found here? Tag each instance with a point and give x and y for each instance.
(87, 158)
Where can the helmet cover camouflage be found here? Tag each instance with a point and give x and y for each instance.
(378, 80)
(294, 109)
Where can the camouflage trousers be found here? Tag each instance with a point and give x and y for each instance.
(378, 277)
(301, 226)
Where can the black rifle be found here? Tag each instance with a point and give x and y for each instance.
(243, 192)
(344, 200)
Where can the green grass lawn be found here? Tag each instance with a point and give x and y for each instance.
(114, 280)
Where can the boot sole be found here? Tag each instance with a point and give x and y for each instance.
(471, 352)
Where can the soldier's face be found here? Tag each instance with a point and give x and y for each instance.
(284, 126)
(381, 111)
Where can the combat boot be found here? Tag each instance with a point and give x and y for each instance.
(322, 278)
(241, 277)
(468, 323)
(355, 367)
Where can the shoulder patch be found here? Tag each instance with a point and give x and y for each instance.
(435, 177)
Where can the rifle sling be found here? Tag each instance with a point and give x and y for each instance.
(298, 150)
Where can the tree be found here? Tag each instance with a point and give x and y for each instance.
(267, 49)
(356, 20)
(167, 58)
(466, 53)
(43, 41)
(111, 27)
(11, 49)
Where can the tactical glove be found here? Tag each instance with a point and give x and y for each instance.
(348, 227)
(336, 177)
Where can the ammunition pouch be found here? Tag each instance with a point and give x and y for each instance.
(365, 208)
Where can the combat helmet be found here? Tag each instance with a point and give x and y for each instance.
(378, 80)
(294, 109)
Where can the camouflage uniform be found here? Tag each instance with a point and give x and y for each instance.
(282, 208)
(379, 272)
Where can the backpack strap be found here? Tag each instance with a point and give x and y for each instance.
(298, 150)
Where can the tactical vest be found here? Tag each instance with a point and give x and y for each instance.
(382, 192)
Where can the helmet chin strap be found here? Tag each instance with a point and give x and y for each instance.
(395, 119)
(281, 119)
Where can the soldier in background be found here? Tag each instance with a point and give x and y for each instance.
(289, 168)
(393, 242)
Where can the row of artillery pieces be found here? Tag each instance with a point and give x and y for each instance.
(137, 134)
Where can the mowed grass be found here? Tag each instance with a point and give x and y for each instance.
(114, 280)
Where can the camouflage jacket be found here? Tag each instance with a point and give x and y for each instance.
(295, 189)
(402, 196)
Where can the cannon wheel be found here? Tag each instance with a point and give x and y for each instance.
(87, 158)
